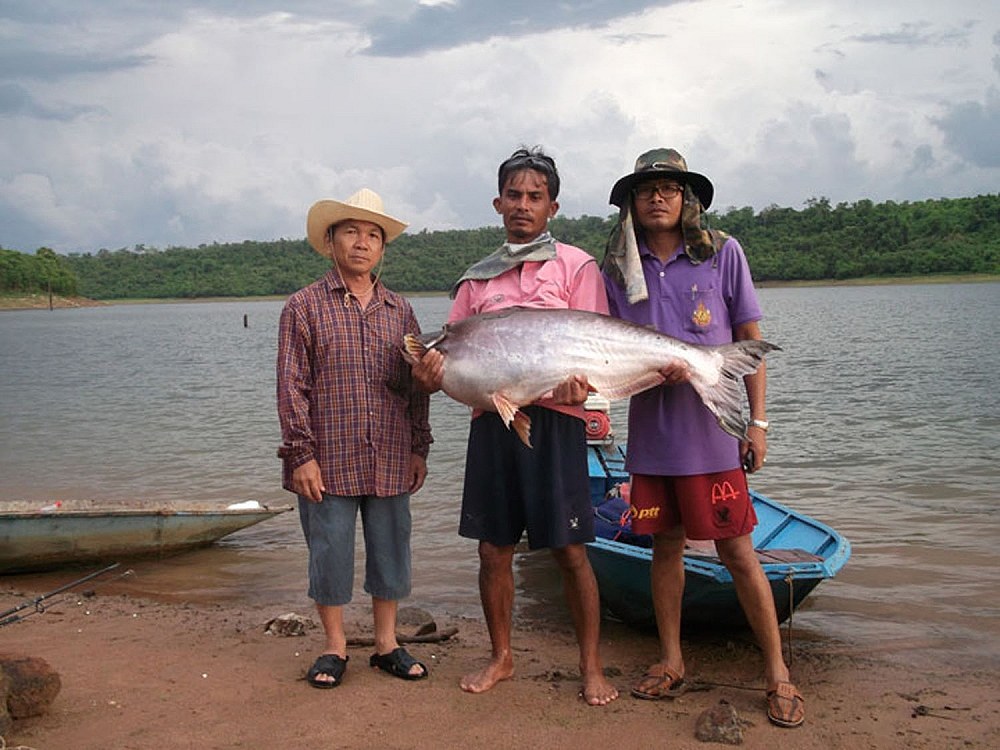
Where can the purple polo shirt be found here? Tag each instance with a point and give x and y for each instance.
(670, 432)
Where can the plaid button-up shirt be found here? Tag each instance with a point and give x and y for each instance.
(345, 394)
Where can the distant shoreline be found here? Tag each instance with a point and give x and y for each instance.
(41, 301)
(948, 278)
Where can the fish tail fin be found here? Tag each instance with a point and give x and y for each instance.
(724, 398)
(413, 348)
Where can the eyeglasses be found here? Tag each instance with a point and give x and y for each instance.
(647, 190)
(523, 158)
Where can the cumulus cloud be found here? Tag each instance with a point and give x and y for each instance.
(18, 100)
(39, 64)
(971, 129)
(223, 120)
(919, 34)
(444, 25)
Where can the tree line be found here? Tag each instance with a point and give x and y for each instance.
(45, 271)
(818, 242)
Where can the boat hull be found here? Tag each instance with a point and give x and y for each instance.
(622, 573)
(797, 553)
(37, 540)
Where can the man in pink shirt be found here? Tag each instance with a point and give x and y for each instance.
(510, 488)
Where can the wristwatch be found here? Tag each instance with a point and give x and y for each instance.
(762, 423)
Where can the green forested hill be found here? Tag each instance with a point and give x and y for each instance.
(865, 239)
(818, 242)
(45, 271)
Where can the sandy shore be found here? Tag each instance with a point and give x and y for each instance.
(42, 301)
(142, 674)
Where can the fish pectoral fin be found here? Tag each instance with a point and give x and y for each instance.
(511, 415)
(413, 348)
(506, 408)
(522, 426)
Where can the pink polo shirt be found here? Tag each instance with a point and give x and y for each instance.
(571, 280)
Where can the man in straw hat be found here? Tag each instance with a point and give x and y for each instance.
(664, 268)
(355, 431)
(510, 488)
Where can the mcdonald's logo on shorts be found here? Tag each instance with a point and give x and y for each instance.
(723, 492)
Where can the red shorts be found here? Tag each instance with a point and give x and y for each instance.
(708, 506)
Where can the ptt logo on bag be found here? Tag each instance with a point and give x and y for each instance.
(613, 519)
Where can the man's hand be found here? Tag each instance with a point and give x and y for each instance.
(573, 391)
(755, 450)
(428, 371)
(418, 472)
(308, 481)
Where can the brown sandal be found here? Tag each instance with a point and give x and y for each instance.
(660, 681)
(785, 706)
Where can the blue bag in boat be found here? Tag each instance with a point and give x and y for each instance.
(613, 519)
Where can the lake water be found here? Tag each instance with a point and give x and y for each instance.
(885, 425)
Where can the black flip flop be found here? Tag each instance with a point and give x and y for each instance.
(398, 663)
(328, 664)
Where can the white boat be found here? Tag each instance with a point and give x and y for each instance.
(75, 532)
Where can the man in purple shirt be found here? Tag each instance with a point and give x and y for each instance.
(355, 431)
(663, 269)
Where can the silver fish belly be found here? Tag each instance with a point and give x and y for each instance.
(507, 359)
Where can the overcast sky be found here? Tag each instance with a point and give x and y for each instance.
(184, 122)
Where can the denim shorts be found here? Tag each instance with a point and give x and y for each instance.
(510, 488)
(329, 529)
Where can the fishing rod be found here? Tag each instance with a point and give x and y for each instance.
(10, 616)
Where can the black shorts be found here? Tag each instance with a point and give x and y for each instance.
(544, 489)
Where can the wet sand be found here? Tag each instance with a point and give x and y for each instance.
(141, 674)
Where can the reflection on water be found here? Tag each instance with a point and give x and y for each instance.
(885, 426)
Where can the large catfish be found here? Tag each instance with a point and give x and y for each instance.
(503, 360)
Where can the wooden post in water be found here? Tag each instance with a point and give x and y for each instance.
(50, 294)
(245, 323)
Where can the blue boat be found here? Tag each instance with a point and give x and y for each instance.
(796, 552)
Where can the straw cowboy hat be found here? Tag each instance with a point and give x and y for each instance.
(662, 163)
(364, 205)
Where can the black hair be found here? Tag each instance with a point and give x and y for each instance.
(533, 158)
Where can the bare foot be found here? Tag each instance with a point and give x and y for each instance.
(490, 675)
(597, 691)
